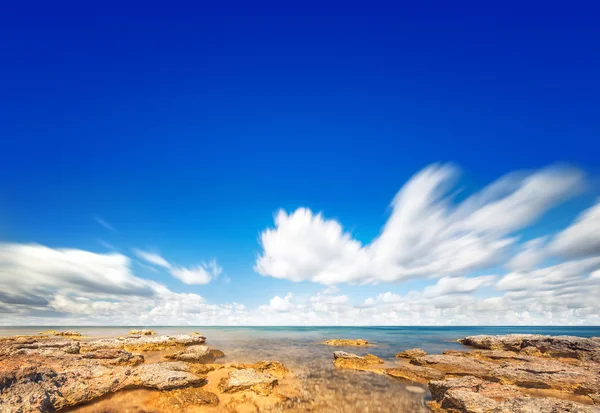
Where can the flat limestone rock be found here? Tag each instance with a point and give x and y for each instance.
(411, 354)
(346, 342)
(352, 361)
(68, 333)
(248, 379)
(273, 368)
(185, 398)
(163, 376)
(193, 354)
(42, 374)
(144, 343)
(415, 373)
(473, 395)
(553, 346)
(142, 332)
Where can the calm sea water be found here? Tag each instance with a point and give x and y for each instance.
(327, 389)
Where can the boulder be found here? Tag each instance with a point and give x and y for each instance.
(352, 361)
(248, 379)
(347, 342)
(412, 353)
(217, 353)
(142, 332)
(193, 354)
(68, 333)
(274, 368)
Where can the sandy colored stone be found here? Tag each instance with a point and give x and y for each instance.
(217, 353)
(347, 342)
(193, 354)
(274, 368)
(144, 343)
(185, 398)
(373, 359)
(415, 373)
(553, 346)
(248, 379)
(68, 333)
(142, 332)
(412, 353)
(342, 359)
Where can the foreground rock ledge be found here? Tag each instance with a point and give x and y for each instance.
(511, 373)
(45, 374)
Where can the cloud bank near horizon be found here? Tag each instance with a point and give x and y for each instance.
(468, 254)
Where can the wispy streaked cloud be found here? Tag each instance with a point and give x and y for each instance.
(152, 258)
(104, 223)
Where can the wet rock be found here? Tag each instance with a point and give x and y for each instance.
(412, 353)
(185, 398)
(415, 373)
(439, 388)
(473, 395)
(248, 379)
(144, 343)
(205, 368)
(553, 346)
(347, 342)
(142, 332)
(273, 368)
(373, 359)
(193, 354)
(458, 365)
(217, 353)
(68, 333)
(345, 360)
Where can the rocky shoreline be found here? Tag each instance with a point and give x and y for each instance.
(494, 374)
(47, 372)
(513, 373)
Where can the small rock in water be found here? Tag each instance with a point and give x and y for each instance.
(346, 342)
(412, 353)
(142, 332)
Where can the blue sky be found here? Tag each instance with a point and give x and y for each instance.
(187, 128)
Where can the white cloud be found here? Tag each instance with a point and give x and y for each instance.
(555, 277)
(152, 258)
(582, 238)
(279, 304)
(425, 236)
(41, 285)
(202, 274)
(453, 285)
(532, 253)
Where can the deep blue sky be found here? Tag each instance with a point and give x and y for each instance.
(187, 127)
